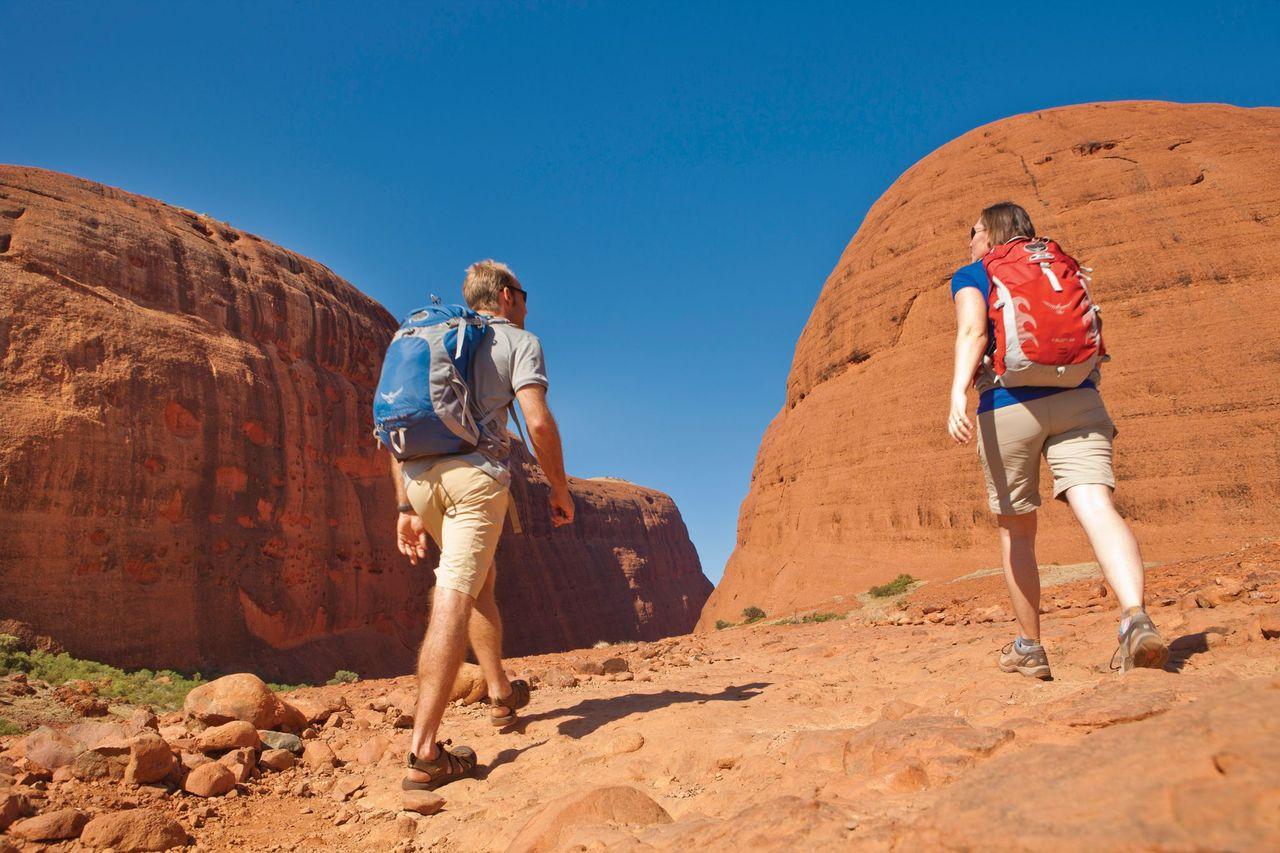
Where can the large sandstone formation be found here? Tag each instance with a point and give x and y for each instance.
(1177, 208)
(186, 473)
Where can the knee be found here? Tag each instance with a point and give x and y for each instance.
(1019, 528)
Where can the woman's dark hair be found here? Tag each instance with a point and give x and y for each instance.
(1006, 220)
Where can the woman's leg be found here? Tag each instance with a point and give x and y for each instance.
(1112, 540)
(1021, 572)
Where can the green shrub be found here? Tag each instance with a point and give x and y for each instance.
(722, 624)
(752, 614)
(821, 617)
(9, 728)
(344, 676)
(142, 687)
(897, 586)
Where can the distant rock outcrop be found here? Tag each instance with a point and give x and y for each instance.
(1176, 207)
(186, 474)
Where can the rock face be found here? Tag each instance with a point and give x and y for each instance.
(186, 474)
(1175, 206)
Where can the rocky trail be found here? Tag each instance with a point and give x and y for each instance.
(889, 729)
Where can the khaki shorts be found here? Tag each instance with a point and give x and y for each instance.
(1071, 429)
(463, 509)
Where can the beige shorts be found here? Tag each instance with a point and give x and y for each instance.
(1071, 429)
(463, 509)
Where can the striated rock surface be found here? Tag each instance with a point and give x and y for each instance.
(186, 474)
(1177, 208)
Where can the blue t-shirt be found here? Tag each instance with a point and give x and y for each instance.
(975, 275)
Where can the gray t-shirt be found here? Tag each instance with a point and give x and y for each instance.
(509, 359)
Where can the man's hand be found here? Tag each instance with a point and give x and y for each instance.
(958, 423)
(411, 537)
(561, 507)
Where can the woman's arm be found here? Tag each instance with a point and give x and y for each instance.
(971, 343)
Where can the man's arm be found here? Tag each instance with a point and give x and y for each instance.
(411, 533)
(545, 436)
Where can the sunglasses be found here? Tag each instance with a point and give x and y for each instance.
(973, 232)
(523, 293)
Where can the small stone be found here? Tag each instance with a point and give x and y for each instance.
(422, 802)
(346, 786)
(142, 720)
(59, 825)
(406, 826)
(277, 759)
(134, 830)
(280, 740)
(210, 780)
(318, 754)
(192, 760)
(372, 750)
(589, 667)
(302, 789)
(380, 704)
(625, 742)
(560, 678)
(615, 664)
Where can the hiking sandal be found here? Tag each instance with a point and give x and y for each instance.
(518, 698)
(449, 766)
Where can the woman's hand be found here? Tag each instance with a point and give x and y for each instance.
(958, 423)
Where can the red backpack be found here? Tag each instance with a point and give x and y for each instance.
(1047, 331)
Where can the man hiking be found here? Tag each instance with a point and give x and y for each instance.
(461, 500)
(1028, 335)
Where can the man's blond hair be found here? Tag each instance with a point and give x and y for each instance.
(484, 281)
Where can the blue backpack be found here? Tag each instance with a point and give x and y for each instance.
(423, 405)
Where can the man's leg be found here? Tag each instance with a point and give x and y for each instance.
(485, 631)
(1112, 540)
(438, 662)
(1021, 572)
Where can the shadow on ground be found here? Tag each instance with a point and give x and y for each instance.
(590, 714)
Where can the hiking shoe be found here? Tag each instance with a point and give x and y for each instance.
(1034, 663)
(1140, 645)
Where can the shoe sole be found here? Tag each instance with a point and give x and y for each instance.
(1151, 653)
(1040, 672)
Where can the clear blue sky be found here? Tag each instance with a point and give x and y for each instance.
(671, 181)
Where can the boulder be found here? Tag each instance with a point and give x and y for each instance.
(277, 759)
(209, 780)
(469, 685)
(13, 806)
(619, 804)
(244, 697)
(615, 665)
(560, 678)
(228, 736)
(48, 748)
(57, 825)
(150, 759)
(108, 760)
(318, 709)
(134, 830)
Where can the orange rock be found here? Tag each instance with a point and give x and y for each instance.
(150, 759)
(134, 829)
(243, 697)
(857, 462)
(620, 804)
(209, 780)
(228, 736)
(204, 358)
(57, 825)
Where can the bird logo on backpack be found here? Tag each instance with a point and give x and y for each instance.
(424, 405)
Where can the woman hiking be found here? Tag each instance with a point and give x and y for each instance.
(1032, 349)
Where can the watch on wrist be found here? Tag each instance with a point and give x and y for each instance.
(403, 508)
